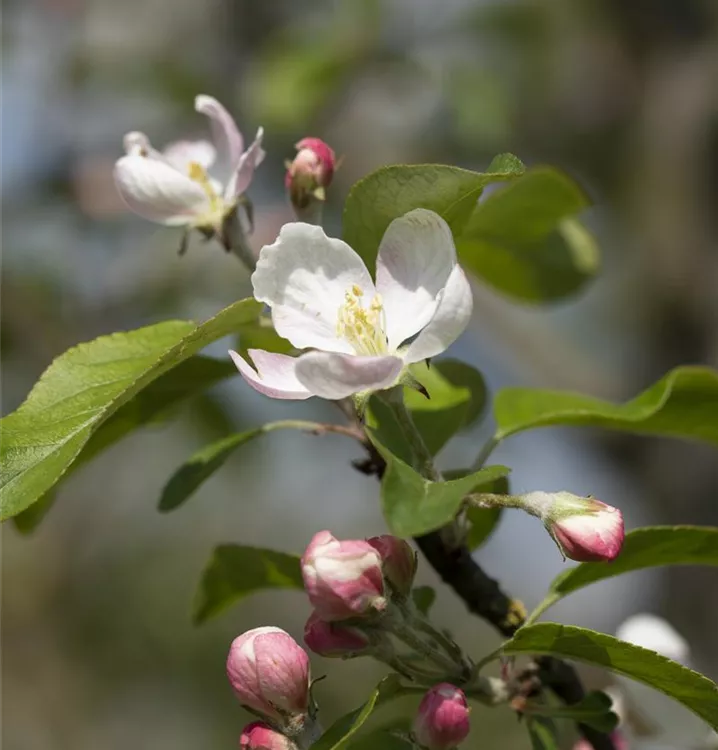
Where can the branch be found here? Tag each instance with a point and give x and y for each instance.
(483, 597)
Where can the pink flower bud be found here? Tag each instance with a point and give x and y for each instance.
(310, 173)
(260, 736)
(584, 528)
(269, 672)
(619, 742)
(398, 561)
(442, 721)
(334, 639)
(342, 579)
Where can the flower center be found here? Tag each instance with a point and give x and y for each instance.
(362, 327)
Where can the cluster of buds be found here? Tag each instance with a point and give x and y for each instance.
(269, 673)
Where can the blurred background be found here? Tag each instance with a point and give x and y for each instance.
(98, 647)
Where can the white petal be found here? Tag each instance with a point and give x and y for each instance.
(416, 256)
(303, 277)
(157, 191)
(334, 376)
(182, 153)
(248, 162)
(226, 136)
(451, 317)
(274, 376)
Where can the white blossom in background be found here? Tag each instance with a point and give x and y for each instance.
(195, 184)
(664, 724)
(362, 334)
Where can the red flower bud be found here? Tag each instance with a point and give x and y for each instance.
(442, 721)
(260, 736)
(309, 174)
(334, 639)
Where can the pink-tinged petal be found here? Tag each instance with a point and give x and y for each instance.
(275, 374)
(416, 257)
(138, 144)
(333, 375)
(181, 154)
(225, 134)
(304, 277)
(248, 162)
(157, 191)
(449, 321)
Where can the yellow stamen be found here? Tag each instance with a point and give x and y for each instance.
(362, 327)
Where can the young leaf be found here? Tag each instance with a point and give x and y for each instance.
(423, 597)
(235, 572)
(29, 519)
(524, 241)
(413, 505)
(384, 195)
(684, 404)
(693, 690)
(83, 388)
(457, 396)
(342, 730)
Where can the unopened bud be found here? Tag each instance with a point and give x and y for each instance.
(398, 562)
(442, 721)
(335, 639)
(260, 736)
(269, 673)
(343, 579)
(309, 175)
(585, 529)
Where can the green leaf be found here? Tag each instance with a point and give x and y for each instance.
(684, 404)
(423, 597)
(413, 505)
(83, 388)
(457, 396)
(235, 572)
(384, 195)
(693, 690)
(342, 730)
(199, 467)
(542, 733)
(523, 240)
(594, 711)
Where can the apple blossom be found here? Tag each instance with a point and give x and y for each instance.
(334, 639)
(343, 579)
(323, 298)
(269, 673)
(442, 721)
(585, 529)
(175, 187)
(261, 736)
(398, 561)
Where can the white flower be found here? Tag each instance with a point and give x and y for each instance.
(174, 187)
(323, 298)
